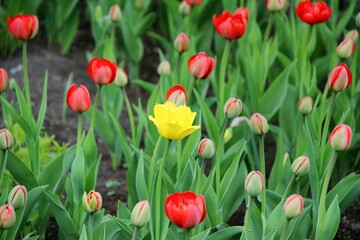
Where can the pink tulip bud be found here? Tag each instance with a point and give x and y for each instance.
(92, 202)
(232, 108)
(140, 215)
(353, 35)
(7, 216)
(300, 166)
(121, 78)
(305, 105)
(201, 65)
(193, 2)
(164, 68)
(4, 80)
(206, 148)
(293, 206)
(346, 48)
(18, 196)
(254, 183)
(6, 139)
(78, 99)
(184, 8)
(340, 78)
(181, 42)
(275, 5)
(177, 95)
(115, 13)
(259, 124)
(341, 137)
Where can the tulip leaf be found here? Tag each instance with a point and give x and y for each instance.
(299, 228)
(89, 149)
(42, 110)
(226, 233)
(83, 235)
(77, 177)
(122, 211)
(330, 224)
(125, 228)
(140, 182)
(92, 174)
(276, 220)
(148, 86)
(202, 235)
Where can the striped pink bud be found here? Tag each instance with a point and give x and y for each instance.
(254, 183)
(341, 137)
(293, 206)
(346, 48)
(259, 124)
(340, 78)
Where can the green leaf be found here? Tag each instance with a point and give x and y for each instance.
(148, 86)
(225, 233)
(122, 211)
(89, 148)
(77, 177)
(42, 110)
(330, 224)
(124, 225)
(68, 31)
(140, 182)
(83, 235)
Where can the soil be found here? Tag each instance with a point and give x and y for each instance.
(59, 67)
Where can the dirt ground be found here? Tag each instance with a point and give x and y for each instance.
(41, 58)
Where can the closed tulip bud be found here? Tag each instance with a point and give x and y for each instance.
(7, 216)
(341, 137)
(357, 20)
(353, 35)
(232, 108)
(346, 48)
(121, 78)
(206, 148)
(115, 13)
(78, 99)
(201, 65)
(164, 68)
(305, 105)
(6, 139)
(184, 8)
(92, 202)
(181, 42)
(300, 166)
(18, 196)
(102, 71)
(259, 124)
(23, 27)
(340, 78)
(293, 206)
(140, 215)
(228, 134)
(177, 95)
(4, 80)
(275, 5)
(254, 183)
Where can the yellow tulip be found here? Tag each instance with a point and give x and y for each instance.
(173, 122)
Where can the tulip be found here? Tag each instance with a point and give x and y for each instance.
(232, 108)
(7, 216)
(121, 78)
(78, 99)
(346, 48)
(357, 19)
(353, 35)
(18, 196)
(231, 26)
(4, 80)
(275, 5)
(340, 78)
(193, 2)
(164, 68)
(293, 206)
(102, 71)
(173, 122)
(140, 215)
(6, 139)
(181, 42)
(201, 65)
(228, 134)
(300, 166)
(115, 13)
(313, 13)
(259, 124)
(23, 27)
(244, 11)
(184, 8)
(305, 105)
(206, 148)
(341, 137)
(177, 95)
(92, 202)
(254, 183)
(186, 209)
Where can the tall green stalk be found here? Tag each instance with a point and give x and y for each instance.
(93, 114)
(152, 164)
(283, 234)
(26, 76)
(131, 116)
(79, 131)
(263, 171)
(247, 220)
(135, 233)
(219, 154)
(224, 61)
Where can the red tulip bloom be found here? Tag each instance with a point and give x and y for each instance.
(186, 209)
(201, 65)
(231, 26)
(102, 71)
(23, 27)
(193, 2)
(78, 99)
(313, 13)
(4, 80)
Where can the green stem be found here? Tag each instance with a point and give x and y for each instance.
(135, 233)
(268, 28)
(131, 116)
(91, 226)
(219, 153)
(202, 168)
(187, 234)
(325, 132)
(263, 171)
(3, 164)
(247, 220)
(79, 131)
(93, 115)
(178, 159)
(191, 87)
(177, 69)
(283, 234)
(288, 187)
(152, 164)
(353, 67)
(26, 77)
(224, 61)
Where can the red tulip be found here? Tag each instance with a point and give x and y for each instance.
(193, 2)
(231, 26)
(340, 78)
(177, 95)
(4, 80)
(23, 27)
(181, 42)
(201, 65)
(78, 99)
(102, 71)
(313, 13)
(186, 209)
